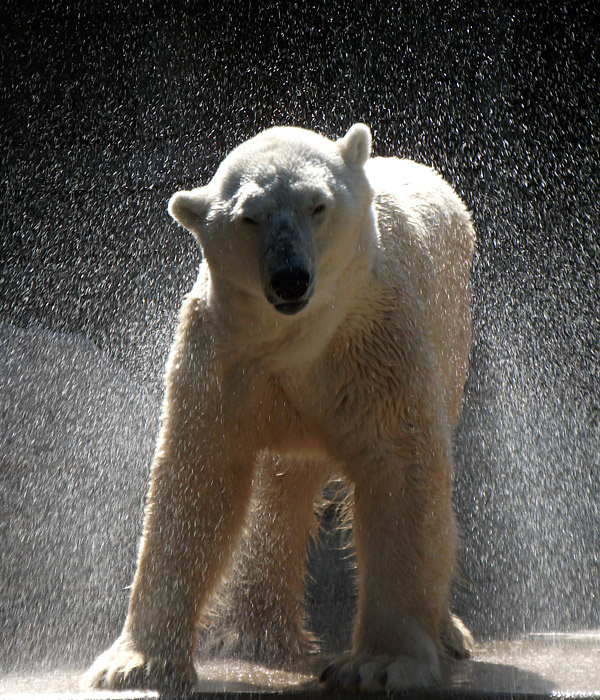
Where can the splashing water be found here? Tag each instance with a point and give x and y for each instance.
(112, 110)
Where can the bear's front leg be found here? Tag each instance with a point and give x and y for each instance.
(405, 541)
(197, 501)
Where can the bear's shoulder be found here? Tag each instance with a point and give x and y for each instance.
(407, 181)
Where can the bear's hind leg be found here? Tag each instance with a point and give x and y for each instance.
(261, 617)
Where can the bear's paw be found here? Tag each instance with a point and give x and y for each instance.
(275, 645)
(457, 639)
(359, 673)
(123, 667)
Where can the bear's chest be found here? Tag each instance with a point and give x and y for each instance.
(288, 409)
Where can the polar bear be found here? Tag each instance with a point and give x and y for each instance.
(328, 333)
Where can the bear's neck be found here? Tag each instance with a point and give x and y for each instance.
(250, 330)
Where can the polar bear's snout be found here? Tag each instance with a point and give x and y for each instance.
(287, 269)
(291, 283)
(289, 286)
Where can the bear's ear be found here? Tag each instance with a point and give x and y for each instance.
(355, 146)
(189, 208)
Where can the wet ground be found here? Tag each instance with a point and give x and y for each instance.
(534, 666)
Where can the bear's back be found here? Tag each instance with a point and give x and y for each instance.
(425, 233)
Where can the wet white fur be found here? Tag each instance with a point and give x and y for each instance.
(365, 381)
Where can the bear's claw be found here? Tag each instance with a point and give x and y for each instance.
(124, 668)
(373, 673)
(457, 639)
(250, 641)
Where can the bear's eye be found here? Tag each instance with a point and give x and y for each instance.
(319, 209)
(249, 220)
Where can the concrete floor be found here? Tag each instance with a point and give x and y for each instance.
(563, 665)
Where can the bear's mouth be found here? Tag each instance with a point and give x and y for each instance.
(289, 308)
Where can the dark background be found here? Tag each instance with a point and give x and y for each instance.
(108, 108)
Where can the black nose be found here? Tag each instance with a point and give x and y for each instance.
(290, 283)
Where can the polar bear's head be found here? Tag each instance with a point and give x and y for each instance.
(282, 216)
